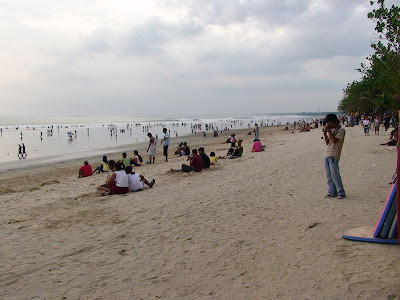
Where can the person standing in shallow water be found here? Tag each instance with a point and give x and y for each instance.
(334, 138)
(24, 155)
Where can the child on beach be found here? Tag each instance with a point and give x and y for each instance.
(103, 167)
(213, 158)
(137, 159)
(125, 160)
(117, 183)
(137, 181)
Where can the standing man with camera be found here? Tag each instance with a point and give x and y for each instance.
(334, 138)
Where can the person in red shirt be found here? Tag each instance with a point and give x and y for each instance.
(85, 170)
(196, 164)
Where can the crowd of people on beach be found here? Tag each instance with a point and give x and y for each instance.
(122, 178)
(123, 133)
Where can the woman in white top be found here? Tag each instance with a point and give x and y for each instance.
(152, 148)
(366, 124)
(137, 181)
(117, 183)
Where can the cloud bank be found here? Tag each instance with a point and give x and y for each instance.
(168, 56)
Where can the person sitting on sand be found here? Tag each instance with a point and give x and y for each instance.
(205, 158)
(213, 158)
(393, 133)
(231, 140)
(179, 149)
(257, 146)
(137, 181)
(117, 183)
(137, 159)
(103, 167)
(185, 150)
(85, 170)
(393, 138)
(111, 166)
(234, 152)
(196, 164)
(125, 160)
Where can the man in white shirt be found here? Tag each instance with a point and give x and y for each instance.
(165, 142)
(137, 181)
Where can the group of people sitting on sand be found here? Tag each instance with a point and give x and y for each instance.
(122, 179)
(183, 149)
(301, 126)
(198, 161)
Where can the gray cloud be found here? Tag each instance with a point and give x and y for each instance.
(195, 50)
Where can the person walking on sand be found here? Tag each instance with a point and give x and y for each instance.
(334, 138)
(152, 149)
(165, 142)
(366, 124)
(377, 124)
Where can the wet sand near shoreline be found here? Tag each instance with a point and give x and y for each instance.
(257, 227)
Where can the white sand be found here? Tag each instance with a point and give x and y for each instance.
(237, 231)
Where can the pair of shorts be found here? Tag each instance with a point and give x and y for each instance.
(165, 150)
(117, 189)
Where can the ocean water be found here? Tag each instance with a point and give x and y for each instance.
(61, 138)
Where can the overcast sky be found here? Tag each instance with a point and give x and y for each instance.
(125, 57)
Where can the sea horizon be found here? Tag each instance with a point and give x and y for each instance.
(18, 121)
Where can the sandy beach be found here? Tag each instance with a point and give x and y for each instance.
(257, 227)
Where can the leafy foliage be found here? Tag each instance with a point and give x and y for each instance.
(379, 88)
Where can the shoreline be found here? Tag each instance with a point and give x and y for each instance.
(52, 143)
(190, 138)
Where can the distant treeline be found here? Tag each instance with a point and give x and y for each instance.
(378, 90)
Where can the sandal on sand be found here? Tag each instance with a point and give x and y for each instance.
(106, 193)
